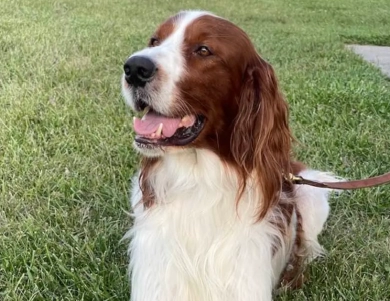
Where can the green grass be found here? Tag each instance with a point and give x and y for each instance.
(66, 156)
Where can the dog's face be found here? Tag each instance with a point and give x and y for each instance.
(202, 85)
(187, 80)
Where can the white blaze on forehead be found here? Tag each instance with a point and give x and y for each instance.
(169, 58)
(168, 53)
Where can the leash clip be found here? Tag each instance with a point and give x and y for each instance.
(293, 178)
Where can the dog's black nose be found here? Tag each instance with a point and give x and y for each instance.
(139, 70)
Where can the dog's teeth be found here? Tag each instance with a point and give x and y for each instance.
(182, 122)
(146, 111)
(187, 121)
(134, 119)
(159, 130)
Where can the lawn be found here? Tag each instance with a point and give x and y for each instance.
(66, 155)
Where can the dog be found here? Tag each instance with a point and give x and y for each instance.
(215, 214)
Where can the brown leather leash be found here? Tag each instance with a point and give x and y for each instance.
(347, 185)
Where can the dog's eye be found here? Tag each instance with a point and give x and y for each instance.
(203, 51)
(154, 42)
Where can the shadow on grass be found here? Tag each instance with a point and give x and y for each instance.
(377, 40)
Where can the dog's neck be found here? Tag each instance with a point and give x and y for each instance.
(201, 179)
(192, 167)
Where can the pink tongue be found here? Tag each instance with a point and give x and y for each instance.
(151, 123)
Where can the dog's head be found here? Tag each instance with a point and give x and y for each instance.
(201, 84)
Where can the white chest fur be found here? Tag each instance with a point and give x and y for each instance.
(195, 244)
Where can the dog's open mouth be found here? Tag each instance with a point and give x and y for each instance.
(157, 129)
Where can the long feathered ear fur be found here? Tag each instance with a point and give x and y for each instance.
(261, 140)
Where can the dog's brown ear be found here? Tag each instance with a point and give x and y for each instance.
(261, 141)
(148, 197)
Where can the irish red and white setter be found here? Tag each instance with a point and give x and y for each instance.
(214, 216)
